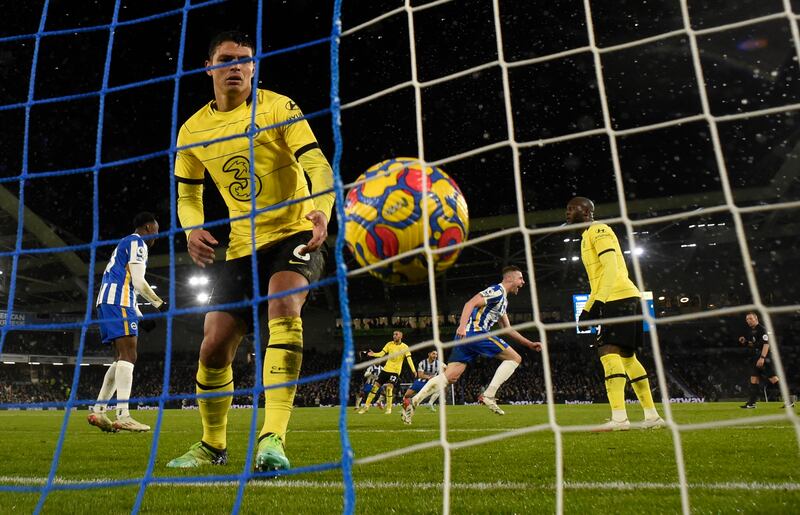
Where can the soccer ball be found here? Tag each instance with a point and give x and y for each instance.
(383, 218)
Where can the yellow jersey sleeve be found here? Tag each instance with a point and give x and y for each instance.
(303, 144)
(409, 360)
(295, 130)
(187, 166)
(321, 176)
(602, 238)
(189, 172)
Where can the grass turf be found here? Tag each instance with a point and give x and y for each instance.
(749, 468)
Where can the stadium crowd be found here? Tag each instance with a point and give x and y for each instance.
(47, 343)
(717, 375)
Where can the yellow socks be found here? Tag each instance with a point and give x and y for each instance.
(371, 396)
(282, 361)
(615, 385)
(641, 385)
(389, 392)
(214, 410)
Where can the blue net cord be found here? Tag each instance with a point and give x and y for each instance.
(155, 80)
(168, 233)
(21, 211)
(341, 271)
(23, 175)
(94, 28)
(178, 396)
(176, 311)
(150, 155)
(348, 355)
(248, 460)
(93, 255)
(190, 480)
(148, 475)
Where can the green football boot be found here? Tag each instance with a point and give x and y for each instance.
(270, 454)
(199, 455)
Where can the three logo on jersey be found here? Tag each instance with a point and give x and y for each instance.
(240, 189)
(239, 166)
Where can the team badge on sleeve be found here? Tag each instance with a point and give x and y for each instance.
(491, 291)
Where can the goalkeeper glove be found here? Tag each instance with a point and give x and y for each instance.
(147, 325)
(163, 308)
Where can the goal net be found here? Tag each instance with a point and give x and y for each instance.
(678, 120)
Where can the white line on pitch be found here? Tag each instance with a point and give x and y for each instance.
(416, 430)
(476, 430)
(496, 485)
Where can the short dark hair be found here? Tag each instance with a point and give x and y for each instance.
(235, 36)
(510, 268)
(143, 218)
(751, 313)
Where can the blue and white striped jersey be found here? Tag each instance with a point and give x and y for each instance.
(428, 367)
(483, 318)
(372, 373)
(116, 287)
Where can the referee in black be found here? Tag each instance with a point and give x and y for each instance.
(757, 339)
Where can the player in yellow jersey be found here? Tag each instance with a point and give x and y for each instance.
(290, 229)
(613, 294)
(391, 370)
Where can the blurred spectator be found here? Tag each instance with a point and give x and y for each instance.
(715, 375)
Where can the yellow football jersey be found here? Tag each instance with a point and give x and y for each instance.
(595, 241)
(395, 363)
(278, 175)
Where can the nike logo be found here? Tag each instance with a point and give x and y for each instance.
(293, 262)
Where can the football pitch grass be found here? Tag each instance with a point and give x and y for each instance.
(749, 468)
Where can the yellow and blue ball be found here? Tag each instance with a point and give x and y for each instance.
(384, 218)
